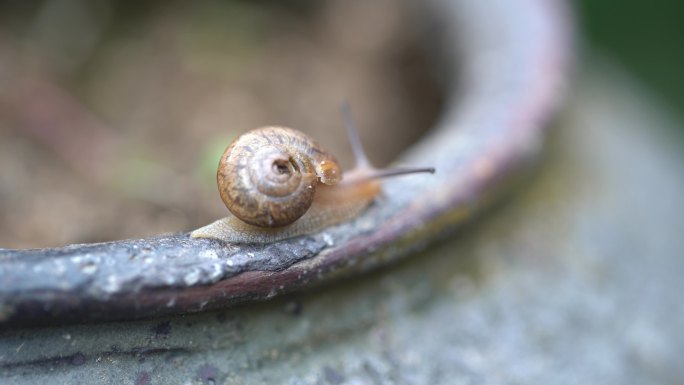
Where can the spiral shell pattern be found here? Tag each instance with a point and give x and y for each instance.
(267, 177)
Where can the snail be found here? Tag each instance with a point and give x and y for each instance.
(279, 183)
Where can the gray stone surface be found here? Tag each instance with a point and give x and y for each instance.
(577, 279)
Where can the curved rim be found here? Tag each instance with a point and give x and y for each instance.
(506, 65)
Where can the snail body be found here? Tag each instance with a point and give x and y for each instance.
(278, 183)
(331, 205)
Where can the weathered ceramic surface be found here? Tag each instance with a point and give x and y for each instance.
(575, 279)
(504, 66)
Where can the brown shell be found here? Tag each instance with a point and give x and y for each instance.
(267, 177)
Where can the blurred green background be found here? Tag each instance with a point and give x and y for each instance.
(646, 37)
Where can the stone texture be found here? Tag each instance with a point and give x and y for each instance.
(575, 279)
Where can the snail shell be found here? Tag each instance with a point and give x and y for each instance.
(278, 183)
(268, 176)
